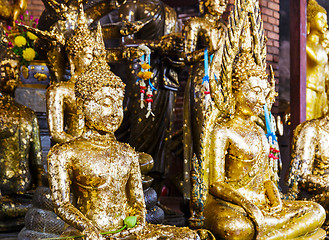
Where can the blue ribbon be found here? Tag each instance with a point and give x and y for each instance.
(206, 65)
(151, 85)
(268, 122)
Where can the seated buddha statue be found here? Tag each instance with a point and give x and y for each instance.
(317, 61)
(308, 176)
(242, 199)
(21, 166)
(102, 174)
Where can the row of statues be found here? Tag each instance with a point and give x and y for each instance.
(95, 179)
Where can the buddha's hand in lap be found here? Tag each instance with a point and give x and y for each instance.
(92, 233)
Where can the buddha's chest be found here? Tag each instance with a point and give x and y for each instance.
(246, 154)
(99, 169)
(322, 153)
(210, 36)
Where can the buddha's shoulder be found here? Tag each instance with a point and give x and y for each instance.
(126, 149)
(309, 127)
(61, 88)
(223, 125)
(74, 145)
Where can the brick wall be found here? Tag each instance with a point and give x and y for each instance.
(35, 7)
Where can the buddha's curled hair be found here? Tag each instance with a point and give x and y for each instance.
(245, 67)
(98, 75)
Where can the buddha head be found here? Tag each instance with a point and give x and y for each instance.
(80, 45)
(99, 96)
(316, 18)
(249, 84)
(9, 70)
(214, 7)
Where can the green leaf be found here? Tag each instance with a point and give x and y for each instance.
(130, 221)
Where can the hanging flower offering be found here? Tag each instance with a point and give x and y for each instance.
(22, 41)
(145, 75)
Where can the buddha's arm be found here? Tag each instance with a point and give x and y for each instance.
(190, 33)
(36, 153)
(135, 191)
(59, 168)
(55, 114)
(311, 54)
(306, 144)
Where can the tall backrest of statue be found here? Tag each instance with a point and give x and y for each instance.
(21, 165)
(202, 36)
(317, 61)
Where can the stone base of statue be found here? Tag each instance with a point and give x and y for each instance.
(41, 221)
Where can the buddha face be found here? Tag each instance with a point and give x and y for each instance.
(104, 112)
(83, 59)
(250, 99)
(216, 7)
(9, 69)
(319, 23)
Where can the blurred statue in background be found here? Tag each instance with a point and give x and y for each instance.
(203, 36)
(317, 61)
(308, 177)
(234, 192)
(101, 173)
(20, 149)
(11, 10)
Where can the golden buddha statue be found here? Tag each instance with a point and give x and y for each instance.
(308, 176)
(20, 149)
(101, 173)
(317, 61)
(63, 121)
(202, 36)
(235, 195)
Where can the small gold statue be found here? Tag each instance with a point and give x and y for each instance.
(234, 194)
(102, 174)
(317, 61)
(20, 149)
(203, 36)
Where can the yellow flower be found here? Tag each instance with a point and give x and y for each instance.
(147, 75)
(20, 41)
(29, 54)
(31, 36)
(146, 66)
(140, 74)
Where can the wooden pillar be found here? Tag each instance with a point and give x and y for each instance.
(297, 62)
